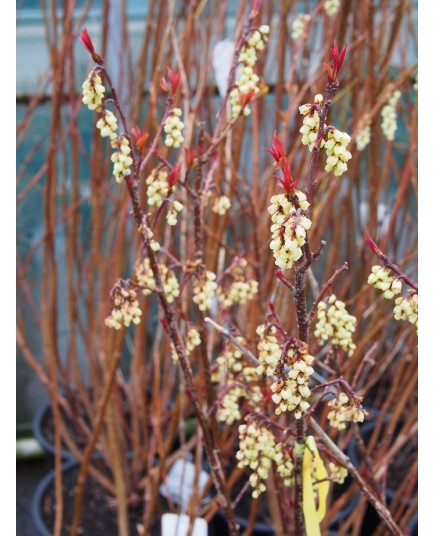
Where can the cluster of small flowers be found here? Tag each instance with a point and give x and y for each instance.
(337, 473)
(230, 362)
(153, 244)
(231, 369)
(299, 26)
(331, 7)
(238, 292)
(341, 412)
(285, 466)
(257, 451)
(122, 160)
(336, 324)
(125, 307)
(192, 340)
(336, 149)
(389, 115)
(269, 350)
(108, 125)
(291, 389)
(380, 277)
(248, 80)
(288, 229)
(145, 278)
(204, 288)
(172, 215)
(363, 138)
(311, 122)
(407, 309)
(229, 410)
(173, 128)
(93, 92)
(221, 205)
(158, 187)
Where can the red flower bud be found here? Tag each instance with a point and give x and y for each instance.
(338, 60)
(372, 245)
(174, 78)
(173, 176)
(141, 137)
(190, 155)
(87, 42)
(245, 98)
(277, 150)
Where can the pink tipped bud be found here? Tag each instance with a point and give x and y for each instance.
(88, 44)
(173, 176)
(338, 59)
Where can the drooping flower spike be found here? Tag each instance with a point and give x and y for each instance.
(338, 60)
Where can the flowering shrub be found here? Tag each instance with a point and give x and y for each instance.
(246, 320)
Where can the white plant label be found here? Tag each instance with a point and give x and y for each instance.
(179, 482)
(177, 525)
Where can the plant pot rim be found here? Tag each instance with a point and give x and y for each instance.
(36, 505)
(43, 441)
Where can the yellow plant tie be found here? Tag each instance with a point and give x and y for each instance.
(312, 463)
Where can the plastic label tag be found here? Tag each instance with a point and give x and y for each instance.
(175, 525)
(179, 482)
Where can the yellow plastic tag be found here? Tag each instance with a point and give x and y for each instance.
(312, 463)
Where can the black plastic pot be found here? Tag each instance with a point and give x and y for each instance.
(47, 445)
(216, 527)
(372, 519)
(41, 490)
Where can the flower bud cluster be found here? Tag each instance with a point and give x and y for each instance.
(311, 122)
(288, 231)
(204, 288)
(153, 244)
(108, 125)
(284, 464)
(192, 340)
(231, 362)
(363, 138)
(122, 160)
(248, 80)
(337, 154)
(240, 290)
(269, 350)
(125, 307)
(158, 187)
(93, 92)
(172, 215)
(407, 309)
(336, 324)
(145, 278)
(258, 450)
(173, 128)
(380, 278)
(389, 123)
(299, 26)
(221, 205)
(241, 380)
(341, 412)
(291, 388)
(331, 7)
(337, 473)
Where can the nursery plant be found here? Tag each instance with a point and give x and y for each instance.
(241, 292)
